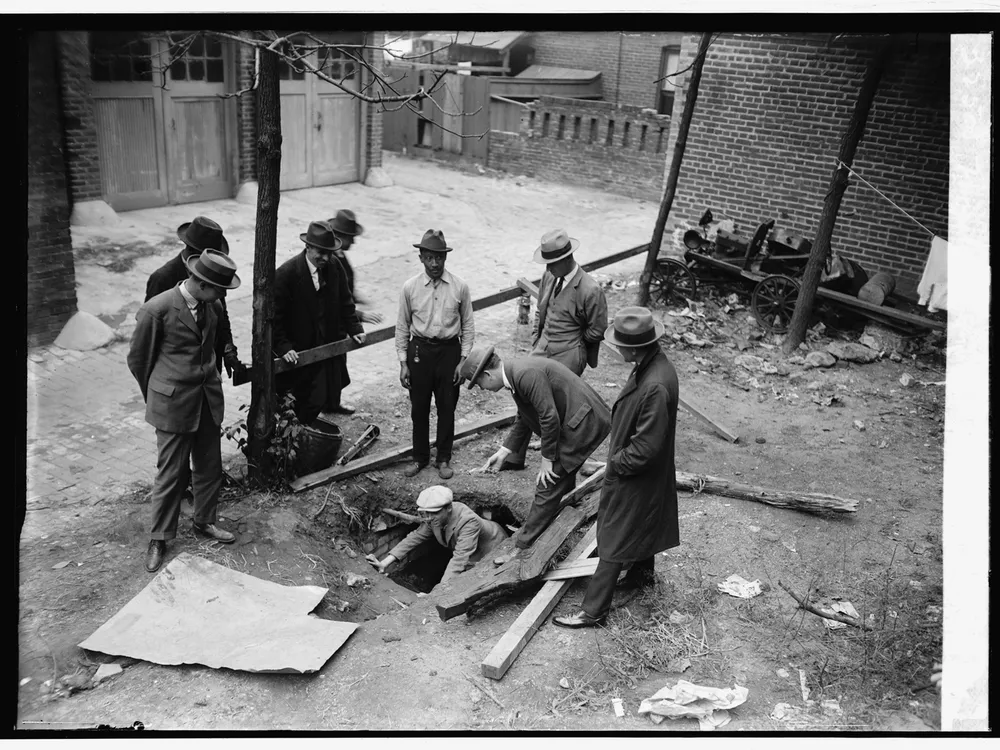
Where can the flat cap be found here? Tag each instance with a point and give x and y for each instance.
(434, 498)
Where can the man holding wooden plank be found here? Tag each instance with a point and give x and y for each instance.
(554, 403)
(451, 524)
(637, 515)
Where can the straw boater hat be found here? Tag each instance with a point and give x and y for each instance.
(321, 236)
(203, 234)
(434, 498)
(556, 245)
(634, 326)
(345, 222)
(475, 363)
(214, 268)
(433, 240)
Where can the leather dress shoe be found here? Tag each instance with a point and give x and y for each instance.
(214, 532)
(412, 469)
(154, 555)
(580, 620)
(445, 471)
(511, 466)
(348, 410)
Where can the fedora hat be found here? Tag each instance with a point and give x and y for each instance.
(321, 236)
(346, 223)
(214, 268)
(203, 234)
(475, 363)
(634, 326)
(556, 245)
(434, 498)
(433, 240)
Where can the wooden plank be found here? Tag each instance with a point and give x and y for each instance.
(858, 304)
(576, 569)
(509, 647)
(388, 458)
(519, 571)
(807, 501)
(532, 289)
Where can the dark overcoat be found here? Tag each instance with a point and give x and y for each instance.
(172, 273)
(173, 361)
(564, 410)
(305, 318)
(637, 515)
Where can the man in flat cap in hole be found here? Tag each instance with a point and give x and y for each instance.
(434, 334)
(172, 357)
(451, 524)
(637, 515)
(567, 413)
(313, 305)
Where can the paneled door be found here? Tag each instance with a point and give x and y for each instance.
(296, 127)
(195, 120)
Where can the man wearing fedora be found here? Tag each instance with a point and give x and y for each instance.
(172, 357)
(313, 305)
(198, 235)
(571, 316)
(554, 403)
(434, 335)
(637, 515)
(451, 524)
(345, 226)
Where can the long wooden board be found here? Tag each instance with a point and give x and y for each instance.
(336, 348)
(808, 501)
(532, 289)
(510, 646)
(332, 474)
(576, 569)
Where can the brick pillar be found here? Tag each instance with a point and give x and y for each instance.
(51, 275)
(373, 126)
(246, 119)
(78, 112)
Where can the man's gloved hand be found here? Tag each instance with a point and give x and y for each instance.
(231, 360)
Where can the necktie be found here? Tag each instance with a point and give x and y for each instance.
(557, 288)
(321, 280)
(200, 313)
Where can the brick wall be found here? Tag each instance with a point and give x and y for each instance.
(767, 128)
(78, 115)
(246, 119)
(51, 278)
(372, 127)
(615, 148)
(629, 62)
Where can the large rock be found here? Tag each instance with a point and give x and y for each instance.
(247, 194)
(852, 352)
(820, 359)
(84, 332)
(884, 339)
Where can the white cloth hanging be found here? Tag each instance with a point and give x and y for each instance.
(933, 286)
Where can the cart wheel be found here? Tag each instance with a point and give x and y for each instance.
(773, 302)
(672, 282)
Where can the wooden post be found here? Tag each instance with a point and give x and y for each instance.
(262, 394)
(675, 170)
(831, 205)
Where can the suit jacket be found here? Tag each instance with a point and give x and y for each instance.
(637, 515)
(466, 534)
(569, 415)
(305, 318)
(573, 324)
(173, 361)
(172, 273)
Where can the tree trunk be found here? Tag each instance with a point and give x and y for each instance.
(675, 170)
(262, 395)
(831, 205)
(815, 502)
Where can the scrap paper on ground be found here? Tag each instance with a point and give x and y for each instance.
(198, 612)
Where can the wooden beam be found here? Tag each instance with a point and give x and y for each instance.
(408, 517)
(334, 473)
(859, 304)
(807, 501)
(575, 569)
(532, 289)
(509, 647)
(521, 570)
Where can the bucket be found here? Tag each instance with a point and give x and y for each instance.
(319, 447)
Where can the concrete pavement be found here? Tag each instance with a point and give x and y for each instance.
(86, 436)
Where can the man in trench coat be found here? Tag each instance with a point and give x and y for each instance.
(637, 515)
(554, 403)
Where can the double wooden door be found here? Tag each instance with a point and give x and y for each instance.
(320, 122)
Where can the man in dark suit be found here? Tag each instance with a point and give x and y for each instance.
(554, 403)
(172, 357)
(313, 305)
(199, 235)
(637, 515)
